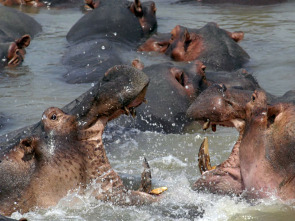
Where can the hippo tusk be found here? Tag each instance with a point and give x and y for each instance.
(204, 158)
(158, 191)
(145, 101)
(206, 125)
(133, 112)
(127, 111)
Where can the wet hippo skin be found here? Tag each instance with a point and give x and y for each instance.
(261, 160)
(39, 164)
(99, 41)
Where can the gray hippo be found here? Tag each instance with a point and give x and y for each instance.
(215, 47)
(40, 163)
(16, 30)
(259, 164)
(99, 41)
(171, 90)
(240, 2)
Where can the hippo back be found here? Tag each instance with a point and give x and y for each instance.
(108, 20)
(14, 24)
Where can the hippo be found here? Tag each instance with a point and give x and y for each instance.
(62, 152)
(16, 31)
(99, 41)
(241, 173)
(241, 2)
(42, 3)
(126, 24)
(215, 47)
(176, 87)
(171, 90)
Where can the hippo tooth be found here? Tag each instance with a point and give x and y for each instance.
(127, 111)
(206, 125)
(133, 112)
(144, 101)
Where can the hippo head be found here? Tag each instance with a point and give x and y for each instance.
(158, 43)
(15, 52)
(262, 160)
(220, 105)
(146, 14)
(267, 148)
(184, 46)
(215, 47)
(64, 151)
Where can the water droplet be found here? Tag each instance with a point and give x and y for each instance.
(103, 47)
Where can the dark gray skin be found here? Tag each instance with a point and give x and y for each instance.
(86, 61)
(99, 41)
(171, 90)
(39, 164)
(16, 30)
(122, 25)
(239, 79)
(14, 24)
(3, 218)
(240, 2)
(215, 47)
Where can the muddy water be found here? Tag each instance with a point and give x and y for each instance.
(26, 91)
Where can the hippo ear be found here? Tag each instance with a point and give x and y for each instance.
(137, 64)
(136, 8)
(29, 146)
(236, 36)
(273, 112)
(23, 42)
(186, 35)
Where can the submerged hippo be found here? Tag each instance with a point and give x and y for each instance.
(99, 41)
(39, 164)
(124, 23)
(242, 2)
(171, 90)
(260, 162)
(16, 30)
(215, 47)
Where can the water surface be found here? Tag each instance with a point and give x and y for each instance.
(26, 91)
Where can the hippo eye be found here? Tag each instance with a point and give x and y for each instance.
(53, 117)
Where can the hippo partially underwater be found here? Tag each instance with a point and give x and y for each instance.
(16, 31)
(40, 163)
(262, 161)
(215, 47)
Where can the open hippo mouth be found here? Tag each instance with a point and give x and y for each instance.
(260, 162)
(39, 164)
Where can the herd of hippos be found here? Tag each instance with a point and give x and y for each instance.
(202, 80)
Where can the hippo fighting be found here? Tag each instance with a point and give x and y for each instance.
(64, 151)
(157, 75)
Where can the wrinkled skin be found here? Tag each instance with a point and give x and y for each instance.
(39, 164)
(215, 47)
(171, 90)
(16, 30)
(244, 170)
(242, 2)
